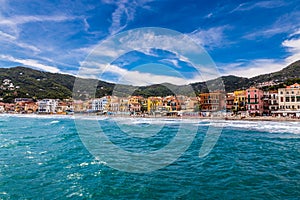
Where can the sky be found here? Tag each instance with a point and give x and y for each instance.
(242, 38)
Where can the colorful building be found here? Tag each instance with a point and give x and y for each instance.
(213, 101)
(154, 103)
(239, 103)
(273, 100)
(254, 101)
(229, 102)
(170, 104)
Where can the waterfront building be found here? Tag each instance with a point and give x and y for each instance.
(100, 104)
(254, 101)
(240, 101)
(289, 100)
(266, 101)
(30, 107)
(229, 101)
(273, 100)
(213, 101)
(47, 105)
(135, 103)
(114, 104)
(191, 104)
(123, 104)
(171, 104)
(154, 103)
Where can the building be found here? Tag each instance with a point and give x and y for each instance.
(114, 105)
(239, 103)
(135, 104)
(229, 102)
(47, 106)
(124, 105)
(254, 101)
(273, 100)
(289, 100)
(154, 103)
(31, 107)
(191, 104)
(171, 104)
(100, 104)
(213, 101)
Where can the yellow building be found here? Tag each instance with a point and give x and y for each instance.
(239, 102)
(153, 103)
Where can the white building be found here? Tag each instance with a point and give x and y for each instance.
(47, 105)
(289, 97)
(289, 101)
(100, 104)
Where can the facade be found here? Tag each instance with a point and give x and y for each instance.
(289, 100)
(213, 101)
(191, 104)
(171, 104)
(273, 100)
(254, 101)
(100, 104)
(124, 105)
(266, 100)
(154, 103)
(135, 103)
(229, 102)
(47, 105)
(239, 103)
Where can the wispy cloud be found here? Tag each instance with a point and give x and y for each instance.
(292, 45)
(261, 4)
(251, 68)
(30, 63)
(22, 19)
(124, 13)
(210, 38)
(286, 23)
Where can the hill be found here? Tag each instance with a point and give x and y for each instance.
(38, 84)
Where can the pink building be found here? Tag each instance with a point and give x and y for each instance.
(255, 101)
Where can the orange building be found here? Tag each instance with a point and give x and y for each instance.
(212, 101)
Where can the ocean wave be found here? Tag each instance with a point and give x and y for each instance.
(261, 126)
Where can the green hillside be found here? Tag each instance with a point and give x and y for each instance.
(39, 84)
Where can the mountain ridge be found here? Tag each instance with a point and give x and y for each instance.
(29, 82)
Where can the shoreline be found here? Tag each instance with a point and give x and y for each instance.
(228, 118)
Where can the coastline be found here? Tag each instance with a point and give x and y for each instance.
(227, 118)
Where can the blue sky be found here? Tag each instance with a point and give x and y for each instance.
(244, 38)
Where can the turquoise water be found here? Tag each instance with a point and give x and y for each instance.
(44, 158)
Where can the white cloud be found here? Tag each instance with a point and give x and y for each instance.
(293, 47)
(284, 24)
(210, 38)
(131, 77)
(23, 19)
(124, 13)
(261, 4)
(256, 67)
(30, 63)
(252, 68)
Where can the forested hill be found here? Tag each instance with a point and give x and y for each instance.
(28, 82)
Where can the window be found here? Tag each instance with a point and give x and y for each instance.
(281, 99)
(287, 99)
(281, 92)
(292, 99)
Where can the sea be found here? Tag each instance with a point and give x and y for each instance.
(81, 157)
